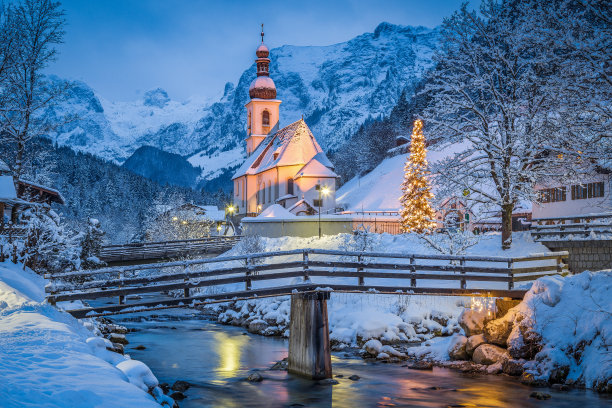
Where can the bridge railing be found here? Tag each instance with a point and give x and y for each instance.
(166, 249)
(284, 271)
(581, 226)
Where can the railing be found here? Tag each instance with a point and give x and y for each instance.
(583, 226)
(167, 249)
(268, 274)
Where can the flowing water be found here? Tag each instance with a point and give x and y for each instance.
(216, 360)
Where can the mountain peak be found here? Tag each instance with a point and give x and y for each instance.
(156, 97)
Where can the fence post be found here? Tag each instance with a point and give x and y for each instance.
(186, 290)
(249, 266)
(305, 265)
(462, 272)
(360, 278)
(121, 297)
(510, 274)
(413, 282)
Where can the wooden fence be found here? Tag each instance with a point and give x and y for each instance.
(269, 272)
(586, 226)
(167, 249)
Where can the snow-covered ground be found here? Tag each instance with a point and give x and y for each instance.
(380, 189)
(50, 359)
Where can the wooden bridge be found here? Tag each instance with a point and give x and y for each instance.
(154, 251)
(309, 276)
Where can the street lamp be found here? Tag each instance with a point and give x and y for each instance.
(323, 191)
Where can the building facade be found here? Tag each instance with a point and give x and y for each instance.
(591, 195)
(283, 166)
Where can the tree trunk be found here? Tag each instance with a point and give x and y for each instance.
(506, 225)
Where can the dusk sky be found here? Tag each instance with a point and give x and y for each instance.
(125, 47)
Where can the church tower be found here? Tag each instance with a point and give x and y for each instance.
(262, 109)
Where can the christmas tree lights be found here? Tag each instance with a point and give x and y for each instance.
(416, 212)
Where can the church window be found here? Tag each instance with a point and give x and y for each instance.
(265, 118)
(290, 186)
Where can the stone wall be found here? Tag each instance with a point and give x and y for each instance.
(591, 255)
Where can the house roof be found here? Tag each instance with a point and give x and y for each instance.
(54, 194)
(291, 145)
(4, 168)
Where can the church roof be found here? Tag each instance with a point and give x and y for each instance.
(314, 168)
(292, 145)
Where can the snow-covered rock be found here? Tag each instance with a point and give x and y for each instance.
(473, 342)
(457, 349)
(138, 374)
(473, 321)
(488, 354)
(497, 331)
(373, 347)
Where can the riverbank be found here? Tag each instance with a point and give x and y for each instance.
(50, 359)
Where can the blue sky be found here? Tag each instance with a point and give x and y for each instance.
(193, 47)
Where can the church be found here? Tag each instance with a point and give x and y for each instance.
(283, 166)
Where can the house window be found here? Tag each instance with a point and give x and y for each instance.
(553, 195)
(269, 192)
(317, 203)
(265, 118)
(318, 187)
(290, 186)
(588, 190)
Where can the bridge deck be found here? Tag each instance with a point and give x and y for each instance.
(275, 274)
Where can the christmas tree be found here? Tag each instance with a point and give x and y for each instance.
(417, 214)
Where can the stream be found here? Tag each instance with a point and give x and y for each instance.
(216, 359)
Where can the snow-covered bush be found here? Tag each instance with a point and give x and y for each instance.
(250, 244)
(49, 246)
(451, 242)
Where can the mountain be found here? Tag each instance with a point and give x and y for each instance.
(162, 167)
(336, 88)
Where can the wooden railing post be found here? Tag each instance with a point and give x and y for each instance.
(413, 281)
(462, 271)
(360, 278)
(186, 272)
(121, 298)
(305, 266)
(510, 274)
(249, 265)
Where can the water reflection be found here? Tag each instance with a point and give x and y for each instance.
(229, 350)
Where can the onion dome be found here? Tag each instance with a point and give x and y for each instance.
(262, 87)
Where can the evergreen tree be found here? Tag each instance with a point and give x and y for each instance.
(417, 213)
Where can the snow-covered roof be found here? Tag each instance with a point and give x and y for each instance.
(4, 168)
(275, 211)
(314, 168)
(50, 190)
(7, 188)
(292, 145)
(302, 203)
(285, 197)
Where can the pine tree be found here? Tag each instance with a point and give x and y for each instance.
(417, 213)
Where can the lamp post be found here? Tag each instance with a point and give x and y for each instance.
(323, 191)
(229, 210)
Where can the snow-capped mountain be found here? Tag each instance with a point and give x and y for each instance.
(336, 88)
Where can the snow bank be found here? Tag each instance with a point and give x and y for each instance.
(276, 211)
(574, 317)
(50, 359)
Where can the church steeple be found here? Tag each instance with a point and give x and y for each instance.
(262, 109)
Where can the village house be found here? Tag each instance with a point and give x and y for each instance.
(283, 166)
(589, 196)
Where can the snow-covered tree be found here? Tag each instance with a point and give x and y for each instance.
(494, 95)
(416, 211)
(25, 92)
(91, 244)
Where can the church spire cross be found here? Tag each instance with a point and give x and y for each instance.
(262, 33)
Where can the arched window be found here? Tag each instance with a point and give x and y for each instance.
(265, 118)
(249, 122)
